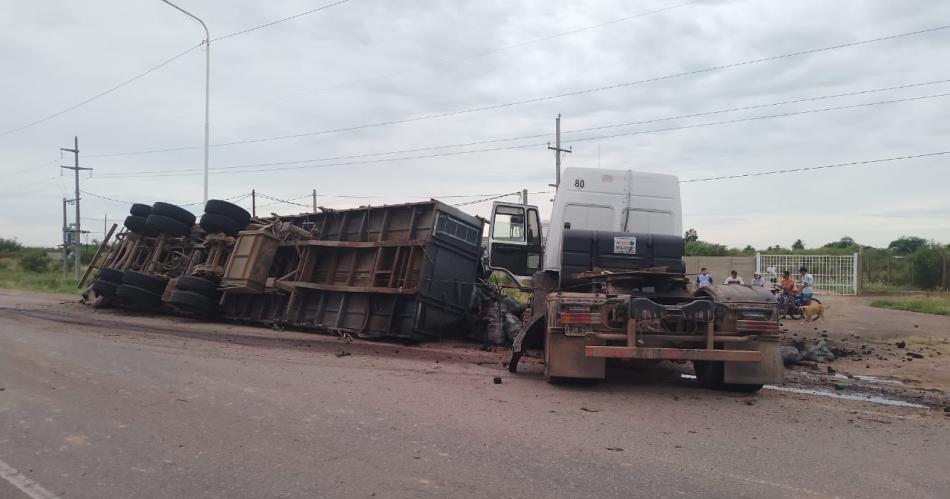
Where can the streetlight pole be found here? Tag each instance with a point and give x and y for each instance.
(207, 44)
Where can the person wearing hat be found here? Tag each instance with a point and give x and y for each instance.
(757, 280)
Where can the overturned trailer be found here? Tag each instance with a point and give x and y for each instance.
(404, 272)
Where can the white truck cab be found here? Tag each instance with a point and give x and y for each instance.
(613, 201)
(588, 199)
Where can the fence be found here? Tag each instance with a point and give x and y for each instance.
(833, 274)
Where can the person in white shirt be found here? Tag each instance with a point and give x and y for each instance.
(703, 279)
(808, 283)
(734, 278)
(757, 280)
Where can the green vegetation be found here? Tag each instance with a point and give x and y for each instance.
(31, 269)
(907, 263)
(938, 304)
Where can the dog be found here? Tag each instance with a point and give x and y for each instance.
(813, 311)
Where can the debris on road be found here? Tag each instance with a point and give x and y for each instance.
(587, 409)
(343, 353)
(497, 380)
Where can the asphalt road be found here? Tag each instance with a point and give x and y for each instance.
(93, 405)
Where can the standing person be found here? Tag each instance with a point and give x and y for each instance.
(808, 283)
(757, 280)
(734, 278)
(704, 278)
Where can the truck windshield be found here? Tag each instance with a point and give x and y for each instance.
(508, 224)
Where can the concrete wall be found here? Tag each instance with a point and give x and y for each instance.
(720, 266)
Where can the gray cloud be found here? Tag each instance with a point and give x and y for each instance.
(275, 81)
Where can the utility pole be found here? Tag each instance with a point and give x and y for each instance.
(78, 230)
(524, 196)
(253, 203)
(65, 239)
(314, 200)
(557, 151)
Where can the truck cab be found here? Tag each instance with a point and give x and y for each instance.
(610, 282)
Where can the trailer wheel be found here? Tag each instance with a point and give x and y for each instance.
(213, 222)
(230, 210)
(192, 301)
(710, 375)
(136, 297)
(198, 285)
(110, 275)
(135, 224)
(140, 210)
(174, 212)
(155, 285)
(167, 225)
(104, 288)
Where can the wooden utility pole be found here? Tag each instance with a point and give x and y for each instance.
(78, 230)
(557, 150)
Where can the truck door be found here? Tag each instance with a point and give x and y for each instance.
(514, 242)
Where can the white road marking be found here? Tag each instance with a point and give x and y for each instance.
(20, 481)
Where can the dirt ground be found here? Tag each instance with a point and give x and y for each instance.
(909, 347)
(871, 362)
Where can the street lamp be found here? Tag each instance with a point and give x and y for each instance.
(207, 43)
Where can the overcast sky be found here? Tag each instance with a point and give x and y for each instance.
(371, 61)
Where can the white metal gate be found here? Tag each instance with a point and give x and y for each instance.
(835, 274)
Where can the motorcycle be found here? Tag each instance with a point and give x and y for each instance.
(790, 306)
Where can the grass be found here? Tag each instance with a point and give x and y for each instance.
(49, 281)
(937, 304)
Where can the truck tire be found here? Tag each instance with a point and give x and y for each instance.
(230, 210)
(166, 225)
(198, 285)
(136, 297)
(140, 210)
(110, 275)
(149, 283)
(213, 223)
(135, 224)
(192, 301)
(104, 288)
(710, 375)
(174, 212)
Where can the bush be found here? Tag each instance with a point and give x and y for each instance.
(34, 262)
(9, 246)
(927, 267)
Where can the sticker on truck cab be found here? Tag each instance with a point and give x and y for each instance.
(625, 245)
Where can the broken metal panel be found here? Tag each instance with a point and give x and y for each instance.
(400, 271)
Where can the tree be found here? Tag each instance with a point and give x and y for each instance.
(702, 248)
(798, 245)
(748, 249)
(691, 235)
(843, 243)
(906, 245)
(927, 268)
(34, 261)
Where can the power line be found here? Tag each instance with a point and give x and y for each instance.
(810, 168)
(265, 25)
(107, 198)
(477, 55)
(534, 136)
(544, 98)
(524, 146)
(457, 59)
(100, 94)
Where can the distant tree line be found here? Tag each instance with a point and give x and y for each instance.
(908, 261)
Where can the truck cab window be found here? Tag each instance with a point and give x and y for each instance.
(508, 224)
(534, 228)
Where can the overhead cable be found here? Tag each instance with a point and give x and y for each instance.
(100, 94)
(709, 69)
